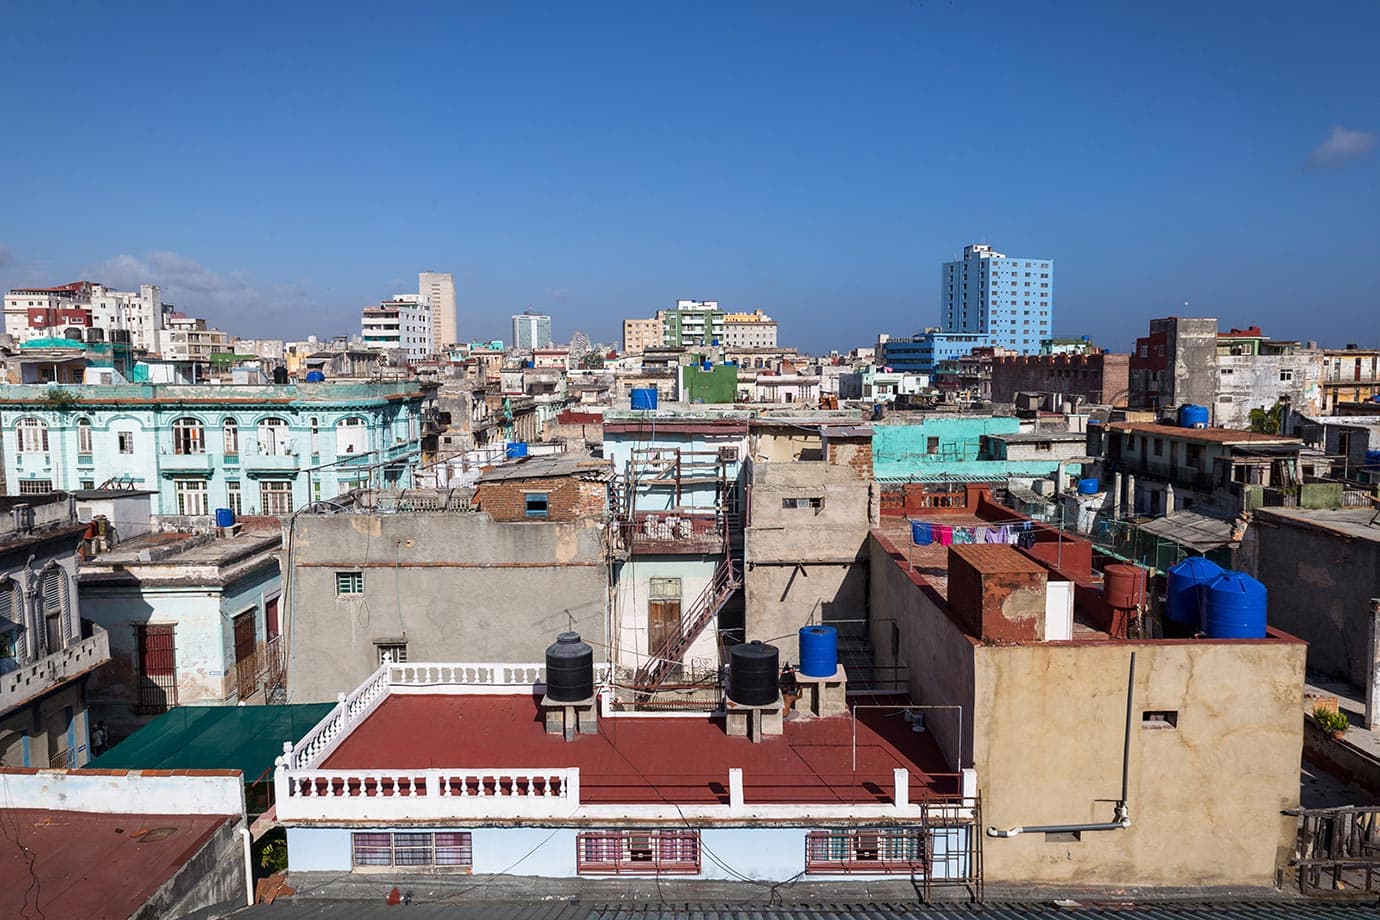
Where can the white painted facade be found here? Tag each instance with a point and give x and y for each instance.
(402, 323)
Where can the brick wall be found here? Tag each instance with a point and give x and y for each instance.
(568, 498)
(1101, 379)
(856, 455)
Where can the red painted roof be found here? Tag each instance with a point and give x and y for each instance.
(653, 760)
(93, 865)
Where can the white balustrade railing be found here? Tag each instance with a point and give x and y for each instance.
(349, 712)
(415, 677)
(398, 793)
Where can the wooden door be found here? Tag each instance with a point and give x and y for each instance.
(245, 664)
(663, 623)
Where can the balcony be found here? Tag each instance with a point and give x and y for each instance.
(268, 464)
(682, 532)
(30, 681)
(169, 464)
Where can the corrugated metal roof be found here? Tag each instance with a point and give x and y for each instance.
(581, 465)
(458, 907)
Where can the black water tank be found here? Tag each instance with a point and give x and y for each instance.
(753, 671)
(569, 669)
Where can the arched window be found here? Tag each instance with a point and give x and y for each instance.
(83, 435)
(274, 440)
(351, 436)
(32, 435)
(189, 437)
(231, 429)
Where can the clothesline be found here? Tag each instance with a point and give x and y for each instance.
(1021, 533)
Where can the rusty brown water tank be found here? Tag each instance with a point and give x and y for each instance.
(1124, 585)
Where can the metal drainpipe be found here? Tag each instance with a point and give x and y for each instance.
(248, 867)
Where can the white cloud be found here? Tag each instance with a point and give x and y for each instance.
(1342, 146)
(235, 301)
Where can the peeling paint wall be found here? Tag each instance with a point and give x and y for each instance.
(1205, 796)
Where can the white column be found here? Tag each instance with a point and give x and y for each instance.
(900, 778)
(735, 787)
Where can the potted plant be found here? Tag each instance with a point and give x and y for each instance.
(1331, 721)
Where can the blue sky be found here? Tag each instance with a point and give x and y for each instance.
(278, 166)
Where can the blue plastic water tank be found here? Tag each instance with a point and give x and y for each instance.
(1088, 486)
(516, 450)
(1191, 416)
(1234, 607)
(706, 365)
(315, 377)
(1373, 460)
(225, 517)
(1184, 593)
(644, 398)
(819, 651)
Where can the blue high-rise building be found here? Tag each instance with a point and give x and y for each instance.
(1008, 299)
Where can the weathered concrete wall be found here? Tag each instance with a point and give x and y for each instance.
(1246, 382)
(1043, 726)
(205, 669)
(1319, 585)
(213, 876)
(1205, 796)
(132, 792)
(912, 632)
(806, 564)
(453, 586)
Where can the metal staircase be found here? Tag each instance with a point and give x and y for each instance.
(727, 580)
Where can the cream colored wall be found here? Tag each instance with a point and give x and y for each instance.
(1205, 797)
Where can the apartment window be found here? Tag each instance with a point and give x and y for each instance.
(53, 590)
(869, 851)
(1286, 375)
(535, 504)
(1159, 447)
(87, 484)
(931, 445)
(1160, 718)
(315, 437)
(124, 442)
(84, 436)
(231, 430)
(816, 503)
(453, 849)
(650, 852)
(275, 496)
(234, 500)
(392, 653)
(191, 496)
(35, 486)
(32, 436)
(188, 437)
(273, 438)
(349, 583)
(350, 435)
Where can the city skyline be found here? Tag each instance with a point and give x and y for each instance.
(1226, 171)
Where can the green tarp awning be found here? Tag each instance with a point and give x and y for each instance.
(244, 738)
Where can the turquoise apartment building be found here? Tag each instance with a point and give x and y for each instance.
(258, 450)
